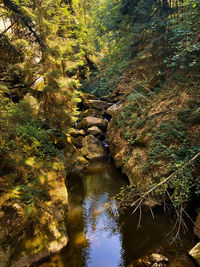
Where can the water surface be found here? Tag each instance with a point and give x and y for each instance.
(98, 238)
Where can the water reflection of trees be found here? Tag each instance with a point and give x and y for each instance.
(100, 188)
(87, 214)
(76, 254)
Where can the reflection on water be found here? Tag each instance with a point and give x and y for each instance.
(102, 233)
(100, 227)
(100, 239)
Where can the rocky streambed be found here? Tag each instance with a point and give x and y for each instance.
(87, 140)
(98, 237)
(87, 146)
(86, 158)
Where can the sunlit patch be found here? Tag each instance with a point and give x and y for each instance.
(42, 179)
(30, 161)
(35, 243)
(57, 166)
(54, 229)
(39, 84)
(58, 244)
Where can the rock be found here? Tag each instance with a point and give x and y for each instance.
(89, 113)
(82, 132)
(77, 133)
(96, 104)
(77, 142)
(77, 164)
(197, 226)
(157, 258)
(33, 102)
(13, 220)
(38, 231)
(114, 109)
(195, 253)
(85, 96)
(94, 130)
(92, 121)
(92, 148)
(146, 261)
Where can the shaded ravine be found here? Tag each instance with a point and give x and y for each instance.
(98, 238)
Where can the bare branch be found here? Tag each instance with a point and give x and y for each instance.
(165, 180)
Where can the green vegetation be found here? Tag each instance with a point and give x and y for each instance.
(161, 38)
(43, 40)
(142, 54)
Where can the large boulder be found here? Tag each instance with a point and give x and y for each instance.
(48, 233)
(89, 113)
(33, 216)
(94, 130)
(96, 104)
(92, 121)
(145, 140)
(92, 148)
(13, 220)
(77, 163)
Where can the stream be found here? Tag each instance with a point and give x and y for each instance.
(97, 238)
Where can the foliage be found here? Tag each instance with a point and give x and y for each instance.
(183, 37)
(44, 42)
(63, 43)
(172, 31)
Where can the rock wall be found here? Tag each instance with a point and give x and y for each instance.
(33, 229)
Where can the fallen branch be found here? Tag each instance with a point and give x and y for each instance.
(165, 180)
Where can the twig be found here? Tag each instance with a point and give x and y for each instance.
(137, 206)
(140, 216)
(138, 104)
(141, 95)
(152, 213)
